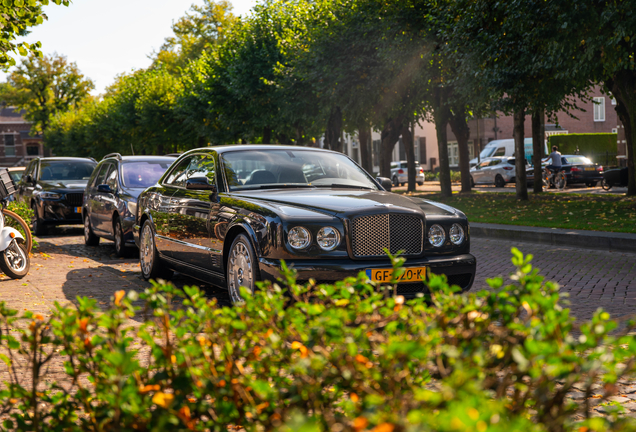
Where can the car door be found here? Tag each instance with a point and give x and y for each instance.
(192, 240)
(25, 189)
(96, 200)
(109, 200)
(480, 172)
(493, 169)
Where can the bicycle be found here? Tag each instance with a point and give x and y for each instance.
(556, 178)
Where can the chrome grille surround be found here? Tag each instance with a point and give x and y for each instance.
(75, 199)
(371, 234)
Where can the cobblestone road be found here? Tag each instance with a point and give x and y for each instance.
(63, 268)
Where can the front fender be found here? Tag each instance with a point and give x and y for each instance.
(6, 237)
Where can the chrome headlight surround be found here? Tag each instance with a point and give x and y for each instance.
(436, 235)
(328, 238)
(299, 237)
(50, 195)
(456, 234)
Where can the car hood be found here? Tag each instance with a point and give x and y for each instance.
(63, 185)
(346, 202)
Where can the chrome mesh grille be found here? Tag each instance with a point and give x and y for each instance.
(395, 232)
(75, 199)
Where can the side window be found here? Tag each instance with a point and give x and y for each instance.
(100, 178)
(484, 164)
(501, 151)
(194, 166)
(495, 162)
(111, 179)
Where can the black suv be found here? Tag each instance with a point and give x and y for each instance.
(110, 200)
(54, 188)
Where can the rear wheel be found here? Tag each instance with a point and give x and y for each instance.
(150, 263)
(545, 178)
(90, 239)
(395, 181)
(15, 221)
(14, 260)
(606, 185)
(120, 246)
(560, 180)
(36, 223)
(499, 181)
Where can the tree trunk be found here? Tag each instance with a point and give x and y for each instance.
(334, 127)
(409, 147)
(520, 155)
(390, 135)
(441, 114)
(538, 138)
(267, 135)
(460, 128)
(623, 86)
(364, 137)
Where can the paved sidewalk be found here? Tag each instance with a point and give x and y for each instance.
(433, 186)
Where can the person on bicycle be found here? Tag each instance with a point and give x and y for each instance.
(555, 160)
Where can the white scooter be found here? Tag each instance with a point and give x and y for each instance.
(14, 258)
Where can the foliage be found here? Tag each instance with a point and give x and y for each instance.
(25, 212)
(347, 357)
(569, 211)
(587, 144)
(44, 86)
(15, 18)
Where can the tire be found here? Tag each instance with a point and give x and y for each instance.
(14, 220)
(118, 236)
(149, 261)
(242, 267)
(546, 179)
(499, 181)
(37, 226)
(420, 183)
(90, 239)
(472, 182)
(593, 184)
(402, 184)
(560, 181)
(395, 182)
(605, 185)
(14, 261)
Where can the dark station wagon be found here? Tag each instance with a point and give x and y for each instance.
(229, 215)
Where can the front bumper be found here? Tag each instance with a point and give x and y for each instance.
(59, 212)
(460, 270)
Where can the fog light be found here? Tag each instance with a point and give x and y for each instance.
(436, 235)
(328, 238)
(456, 234)
(299, 237)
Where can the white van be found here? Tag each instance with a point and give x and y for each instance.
(506, 147)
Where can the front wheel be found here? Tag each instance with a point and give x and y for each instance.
(36, 223)
(151, 266)
(499, 181)
(14, 220)
(120, 246)
(14, 261)
(242, 268)
(606, 185)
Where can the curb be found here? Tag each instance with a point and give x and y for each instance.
(609, 241)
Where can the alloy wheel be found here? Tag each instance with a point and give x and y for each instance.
(118, 238)
(16, 258)
(240, 270)
(146, 250)
(87, 229)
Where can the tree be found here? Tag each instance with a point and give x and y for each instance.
(199, 30)
(15, 18)
(44, 86)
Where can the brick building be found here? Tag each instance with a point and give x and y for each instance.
(17, 145)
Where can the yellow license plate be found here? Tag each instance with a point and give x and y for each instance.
(78, 209)
(590, 169)
(411, 274)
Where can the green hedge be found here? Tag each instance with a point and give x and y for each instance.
(588, 144)
(348, 357)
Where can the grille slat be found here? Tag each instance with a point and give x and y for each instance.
(395, 232)
(75, 199)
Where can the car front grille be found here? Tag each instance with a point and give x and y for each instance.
(370, 235)
(75, 199)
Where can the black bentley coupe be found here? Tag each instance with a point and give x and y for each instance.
(229, 215)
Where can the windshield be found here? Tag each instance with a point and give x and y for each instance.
(487, 152)
(66, 170)
(16, 176)
(257, 169)
(142, 174)
(578, 160)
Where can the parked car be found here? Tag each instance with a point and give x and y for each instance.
(615, 177)
(316, 209)
(54, 188)
(494, 170)
(400, 176)
(579, 169)
(110, 199)
(16, 173)
(505, 148)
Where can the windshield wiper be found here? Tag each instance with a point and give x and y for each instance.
(274, 186)
(348, 186)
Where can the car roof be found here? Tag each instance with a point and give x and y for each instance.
(242, 147)
(567, 156)
(142, 158)
(66, 158)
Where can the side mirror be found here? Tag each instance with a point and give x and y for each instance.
(28, 179)
(385, 183)
(104, 188)
(199, 183)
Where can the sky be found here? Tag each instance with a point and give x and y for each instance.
(109, 37)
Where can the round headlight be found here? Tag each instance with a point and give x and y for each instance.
(436, 235)
(299, 237)
(328, 238)
(456, 234)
